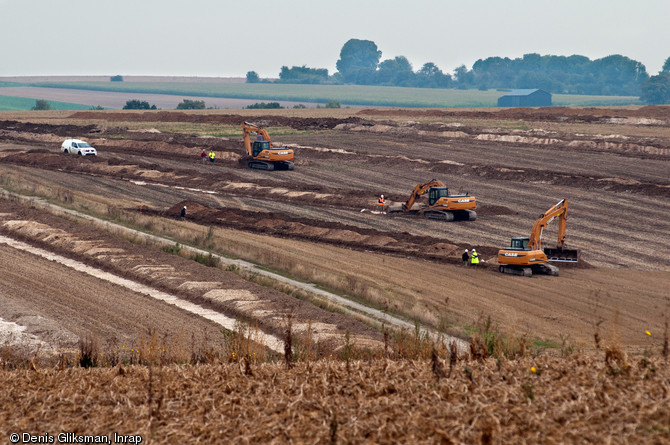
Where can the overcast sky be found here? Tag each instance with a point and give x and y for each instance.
(228, 38)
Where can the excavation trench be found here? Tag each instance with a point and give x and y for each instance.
(373, 316)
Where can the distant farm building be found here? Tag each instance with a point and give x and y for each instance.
(525, 98)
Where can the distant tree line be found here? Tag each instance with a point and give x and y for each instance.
(274, 106)
(615, 75)
(185, 104)
(302, 74)
(188, 104)
(136, 104)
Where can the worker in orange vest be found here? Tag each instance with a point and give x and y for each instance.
(381, 202)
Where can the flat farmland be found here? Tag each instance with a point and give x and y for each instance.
(318, 222)
(581, 356)
(117, 100)
(235, 93)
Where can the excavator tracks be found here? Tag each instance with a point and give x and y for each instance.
(439, 215)
(449, 216)
(260, 165)
(269, 166)
(529, 271)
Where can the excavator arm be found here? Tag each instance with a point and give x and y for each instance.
(560, 211)
(419, 190)
(248, 129)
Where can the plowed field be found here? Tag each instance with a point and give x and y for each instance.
(611, 164)
(69, 281)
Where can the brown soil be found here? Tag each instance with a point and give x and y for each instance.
(614, 174)
(561, 114)
(88, 306)
(514, 179)
(611, 164)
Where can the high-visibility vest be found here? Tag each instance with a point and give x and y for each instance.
(381, 201)
(475, 258)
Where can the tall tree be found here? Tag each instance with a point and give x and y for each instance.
(252, 77)
(464, 78)
(430, 76)
(656, 90)
(619, 74)
(358, 61)
(666, 66)
(395, 72)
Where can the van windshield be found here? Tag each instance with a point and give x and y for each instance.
(83, 145)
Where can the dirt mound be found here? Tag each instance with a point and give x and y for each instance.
(230, 119)
(338, 234)
(38, 128)
(179, 276)
(561, 114)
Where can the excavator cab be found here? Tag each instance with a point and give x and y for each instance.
(435, 193)
(259, 146)
(519, 243)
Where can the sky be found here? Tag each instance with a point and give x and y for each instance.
(225, 38)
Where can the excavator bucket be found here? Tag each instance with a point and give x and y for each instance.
(562, 255)
(395, 208)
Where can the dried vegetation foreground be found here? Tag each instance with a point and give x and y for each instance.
(577, 399)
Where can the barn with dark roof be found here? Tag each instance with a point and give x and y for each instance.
(525, 98)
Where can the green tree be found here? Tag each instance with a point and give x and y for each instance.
(358, 61)
(618, 74)
(656, 90)
(302, 74)
(117, 78)
(252, 77)
(430, 76)
(41, 104)
(136, 104)
(188, 104)
(395, 72)
(264, 106)
(666, 66)
(464, 78)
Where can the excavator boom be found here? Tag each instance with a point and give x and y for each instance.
(560, 211)
(419, 190)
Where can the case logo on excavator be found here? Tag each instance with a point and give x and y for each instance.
(464, 200)
(512, 254)
(283, 152)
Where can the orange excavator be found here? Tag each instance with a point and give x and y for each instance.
(525, 256)
(262, 154)
(441, 205)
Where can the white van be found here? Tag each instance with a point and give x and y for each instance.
(78, 147)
